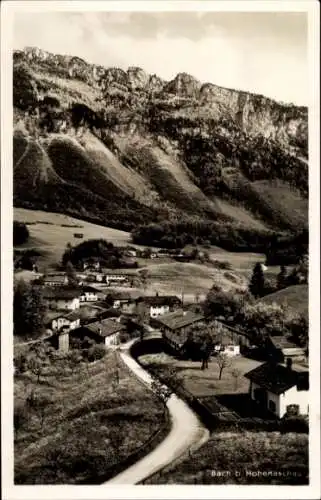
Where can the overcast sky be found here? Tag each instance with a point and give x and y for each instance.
(264, 53)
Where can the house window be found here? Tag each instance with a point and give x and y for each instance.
(272, 406)
(293, 410)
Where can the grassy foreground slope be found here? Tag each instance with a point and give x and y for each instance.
(92, 422)
(261, 458)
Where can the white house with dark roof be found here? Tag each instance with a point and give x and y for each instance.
(88, 294)
(280, 388)
(69, 320)
(158, 305)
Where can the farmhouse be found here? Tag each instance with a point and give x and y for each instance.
(228, 340)
(88, 294)
(157, 305)
(280, 348)
(106, 331)
(55, 280)
(280, 388)
(176, 326)
(116, 279)
(61, 298)
(69, 320)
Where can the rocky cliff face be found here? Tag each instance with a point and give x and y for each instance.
(182, 136)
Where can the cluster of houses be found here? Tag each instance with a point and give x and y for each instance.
(279, 385)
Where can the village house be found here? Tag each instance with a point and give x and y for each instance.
(124, 302)
(88, 294)
(280, 348)
(69, 320)
(116, 279)
(158, 305)
(61, 298)
(177, 326)
(105, 331)
(228, 340)
(280, 388)
(55, 280)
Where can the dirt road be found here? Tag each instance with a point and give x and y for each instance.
(186, 432)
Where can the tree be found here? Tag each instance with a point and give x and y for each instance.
(256, 286)
(96, 352)
(74, 358)
(40, 403)
(20, 233)
(236, 373)
(28, 310)
(223, 362)
(261, 320)
(282, 278)
(71, 274)
(144, 277)
(298, 327)
(226, 304)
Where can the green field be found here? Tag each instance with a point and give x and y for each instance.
(93, 421)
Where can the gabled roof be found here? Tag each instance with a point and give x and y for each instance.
(89, 289)
(281, 342)
(105, 327)
(71, 316)
(55, 278)
(60, 293)
(275, 378)
(160, 300)
(179, 319)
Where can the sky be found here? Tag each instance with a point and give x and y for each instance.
(260, 52)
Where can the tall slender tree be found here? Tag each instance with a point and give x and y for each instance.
(256, 286)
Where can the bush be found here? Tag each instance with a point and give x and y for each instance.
(294, 424)
(20, 233)
(96, 352)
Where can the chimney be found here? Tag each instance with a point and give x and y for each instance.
(289, 363)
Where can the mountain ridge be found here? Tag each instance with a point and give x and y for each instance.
(189, 143)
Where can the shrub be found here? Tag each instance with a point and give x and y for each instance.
(96, 352)
(294, 424)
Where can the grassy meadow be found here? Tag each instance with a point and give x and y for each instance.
(254, 458)
(92, 420)
(203, 383)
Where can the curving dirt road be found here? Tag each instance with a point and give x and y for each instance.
(186, 433)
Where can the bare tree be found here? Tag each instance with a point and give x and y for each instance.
(40, 403)
(223, 362)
